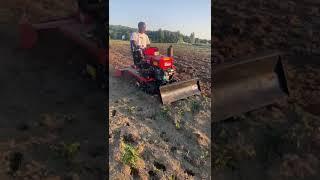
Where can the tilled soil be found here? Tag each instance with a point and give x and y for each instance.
(12, 11)
(246, 27)
(172, 141)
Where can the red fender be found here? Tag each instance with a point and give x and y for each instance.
(118, 73)
(28, 35)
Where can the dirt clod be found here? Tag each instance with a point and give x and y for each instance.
(114, 113)
(152, 173)
(130, 135)
(173, 149)
(164, 136)
(15, 159)
(134, 172)
(202, 139)
(189, 172)
(160, 166)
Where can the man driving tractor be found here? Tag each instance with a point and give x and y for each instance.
(139, 41)
(155, 72)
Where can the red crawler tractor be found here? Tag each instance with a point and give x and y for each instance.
(156, 74)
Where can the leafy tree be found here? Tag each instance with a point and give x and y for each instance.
(197, 41)
(161, 35)
(186, 39)
(164, 36)
(192, 38)
(128, 35)
(180, 37)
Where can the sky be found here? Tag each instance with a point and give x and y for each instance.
(186, 16)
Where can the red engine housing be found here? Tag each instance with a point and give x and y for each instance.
(163, 62)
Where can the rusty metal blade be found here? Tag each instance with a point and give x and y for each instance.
(247, 85)
(180, 90)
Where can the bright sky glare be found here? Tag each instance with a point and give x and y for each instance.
(186, 16)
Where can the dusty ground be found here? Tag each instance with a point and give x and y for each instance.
(52, 119)
(172, 141)
(11, 11)
(280, 141)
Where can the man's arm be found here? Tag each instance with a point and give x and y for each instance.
(148, 42)
(133, 41)
(133, 44)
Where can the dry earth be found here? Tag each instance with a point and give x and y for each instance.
(172, 141)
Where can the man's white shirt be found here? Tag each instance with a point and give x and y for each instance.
(141, 39)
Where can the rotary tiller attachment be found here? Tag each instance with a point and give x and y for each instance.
(179, 90)
(247, 85)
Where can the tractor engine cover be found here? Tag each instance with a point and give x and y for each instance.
(162, 62)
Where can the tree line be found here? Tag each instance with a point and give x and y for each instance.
(119, 32)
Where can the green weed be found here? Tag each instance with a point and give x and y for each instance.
(195, 106)
(69, 151)
(172, 177)
(131, 109)
(222, 157)
(204, 154)
(181, 112)
(164, 113)
(177, 124)
(130, 155)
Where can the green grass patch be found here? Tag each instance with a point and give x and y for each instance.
(177, 124)
(172, 177)
(163, 114)
(181, 112)
(131, 109)
(68, 151)
(130, 155)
